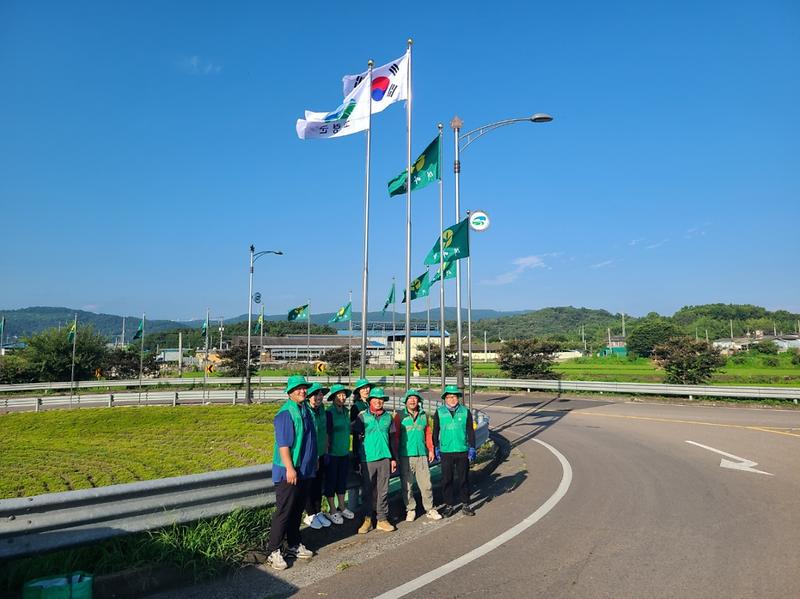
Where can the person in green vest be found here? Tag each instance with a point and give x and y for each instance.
(294, 465)
(338, 456)
(375, 430)
(454, 440)
(415, 450)
(360, 404)
(315, 517)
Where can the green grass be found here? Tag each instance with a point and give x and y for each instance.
(62, 450)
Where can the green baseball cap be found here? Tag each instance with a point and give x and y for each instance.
(377, 393)
(362, 383)
(412, 393)
(451, 389)
(336, 388)
(295, 381)
(316, 387)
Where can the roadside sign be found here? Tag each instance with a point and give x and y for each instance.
(320, 367)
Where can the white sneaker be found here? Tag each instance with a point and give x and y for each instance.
(336, 518)
(276, 560)
(323, 519)
(434, 515)
(348, 514)
(411, 515)
(300, 552)
(312, 521)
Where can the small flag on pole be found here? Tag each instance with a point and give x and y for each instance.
(420, 287)
(455, 242)
(449, 272)
(72, 330)
(389, 300)
(138, 334)
(344, 314)
(260, 321)
(203, 329)
(425, 170)
(298, 313)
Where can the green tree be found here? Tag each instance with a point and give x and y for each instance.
(340, 359)
(49, 354)
(766, 347)
(123, 363)
(234, 360)
(528, 358)
(688, 361)
(649, 333)
(15, 369)
(436, 359)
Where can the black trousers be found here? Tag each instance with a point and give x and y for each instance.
(289, 503)
(455, 466)
(314, 498)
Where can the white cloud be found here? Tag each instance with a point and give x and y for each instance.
(194, 65)
(602, 264)
(633, 242)
(658, 244)
(695, 232)
(520, 266)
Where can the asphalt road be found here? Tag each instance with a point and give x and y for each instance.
(646, 513)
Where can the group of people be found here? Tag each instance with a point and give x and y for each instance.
(314, 447)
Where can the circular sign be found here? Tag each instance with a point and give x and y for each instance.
(257, 297)
(478, 221)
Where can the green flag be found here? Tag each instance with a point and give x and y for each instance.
(425, 170)
(419, 287)
(449, 271)
(140, 330)
(72, 330)
(389, 300)
(259, 322)
(203, 329)
(298, 313)
(455, 242)
(344, 314)
(2, 328)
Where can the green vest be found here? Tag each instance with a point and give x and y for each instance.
(453, 430)
(321, 426)
(340, 439)
(412, 434)
(376, 436)
(297, 421)
(361, 406)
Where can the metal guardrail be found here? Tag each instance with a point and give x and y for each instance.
(31, 525)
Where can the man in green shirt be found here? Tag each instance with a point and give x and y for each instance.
(454, 439)
(375, 430)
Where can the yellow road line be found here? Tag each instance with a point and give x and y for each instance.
(762, 429)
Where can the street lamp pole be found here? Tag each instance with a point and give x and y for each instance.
(253, 257)
(462, 142)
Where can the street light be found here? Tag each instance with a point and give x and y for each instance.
(461, 143)
(253, 257)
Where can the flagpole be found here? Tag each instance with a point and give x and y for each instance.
(308, 332)
(72, 376)
(180, 354)
(408, 223)
(249, 326)
(205, 362)
(428, 330)
(350, 340)
(469, 316)
(260, 349)
(123, 331)
(441, 259)
(141, 360)
(365, 272)
(394, 339)
(456, 124)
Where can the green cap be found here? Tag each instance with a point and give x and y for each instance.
(412, 393)
(316, 387)
(362, 383)
(295, 381)
(336, 388)
(377, 393)
(451, 389)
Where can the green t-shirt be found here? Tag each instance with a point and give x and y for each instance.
(321, 426)
(340, 435)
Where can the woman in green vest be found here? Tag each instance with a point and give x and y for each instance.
(360, 404)
(338, 456)
(375, 428)
(454, 439)
(315, 517)
(415, 450)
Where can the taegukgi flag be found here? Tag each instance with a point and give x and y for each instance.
(350, 117)
(389, 83)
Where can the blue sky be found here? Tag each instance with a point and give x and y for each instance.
(144, 146)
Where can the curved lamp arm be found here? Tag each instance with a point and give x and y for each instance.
(470, 136)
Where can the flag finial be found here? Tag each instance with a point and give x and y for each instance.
(440, 126)
(410, 41)
(456, 123)
(370, 63)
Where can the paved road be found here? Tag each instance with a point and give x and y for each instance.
(646, 513)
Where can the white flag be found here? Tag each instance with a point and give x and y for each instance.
(389, 83)
(350, 117)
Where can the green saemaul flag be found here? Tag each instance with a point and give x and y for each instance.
(449, 272)
(344, 314)
(389, 300)
(139, 331)
(203, 329)
(260, 322)
(455, 241)
(72, 329)
(425, 170)
(420, 287)
(298, 313)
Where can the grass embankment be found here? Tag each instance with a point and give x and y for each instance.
(62, 450)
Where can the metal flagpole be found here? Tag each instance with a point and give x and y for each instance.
(408, 224)
(365, 273)
(74, 345)
(428, 331)
(308, 332)
(394, 339)
(469, 319)
(180, 354)
(205, 362)
(441, 261)
(260, 349)
(350, 341)
(456, 125)
(141, 360)
(123, 331)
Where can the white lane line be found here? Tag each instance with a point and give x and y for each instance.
(741, 464)
(421, 581)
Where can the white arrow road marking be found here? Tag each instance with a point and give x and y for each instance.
(742, 463)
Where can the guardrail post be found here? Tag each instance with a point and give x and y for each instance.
(175, 399)
(38, 403)
(110, 400)
(235, 395)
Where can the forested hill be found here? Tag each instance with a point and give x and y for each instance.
(564, 322)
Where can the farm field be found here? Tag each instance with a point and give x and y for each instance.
(63, 450)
